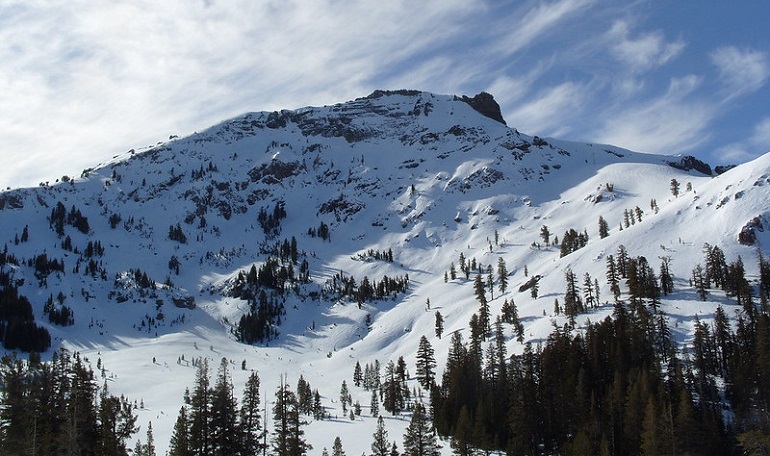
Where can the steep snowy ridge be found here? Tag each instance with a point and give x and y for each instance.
(422, 174)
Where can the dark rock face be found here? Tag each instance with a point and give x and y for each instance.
(721, 169)
(748, 234)
(381, 93)
(689, 162)
(11, 201)
(274, 172)
(486, 105)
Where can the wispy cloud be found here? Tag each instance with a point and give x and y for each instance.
(741, 70)
(509, 89)
(757, 143)
(82, 81)
(674, 122)
(120, 75)
(650, 50)
(537, 20)
(761, 135)
(548, 113)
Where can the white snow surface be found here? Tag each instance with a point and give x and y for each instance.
(423, 174)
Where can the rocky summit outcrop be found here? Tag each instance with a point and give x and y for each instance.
(486, 105)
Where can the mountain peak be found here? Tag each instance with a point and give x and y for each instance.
(322, 236)
(486, 105)
(483, 103)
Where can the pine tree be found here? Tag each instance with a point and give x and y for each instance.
(420, 438)
(572, 302)
(716, 266)
(319, 412)
(357, 375)
(304, 396)
(508, 311)
(622, 261)
(392, 390)
(651, 437)
(604, 228)
(686, 425)
(179, 444)
(345, 397)
(462, 438)
(337, 447)
(402, 375)
(545, 234)
(483, 316)
(699, 282)
(502, 274)
(426, 364)
(200, 411)
(764, 281)
(588, 291)
(612, 278)
(380, 444)
(224, 415)
(148, 448)
(439, 324)
(479, 289)
(250, 422)
(374, 405)
(597, 291)
(666, 281)
(288, 435)
(722, 340)
(736, 285)
(674, 187)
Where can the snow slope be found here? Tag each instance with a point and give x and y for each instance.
(422, 174)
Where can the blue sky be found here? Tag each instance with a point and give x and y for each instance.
(82, 81)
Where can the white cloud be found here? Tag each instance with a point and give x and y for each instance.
(761, 135)
(539, 22)
(755, 145)
(742, 71)
(82, 81)
(549, 112)
(510, 89)
(671, 123)
(121, 75)
(733, 153)
(648, 51)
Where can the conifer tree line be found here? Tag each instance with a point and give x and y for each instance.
(270, 221)
(391, 388)
(18, 329)
(59, 408)
(212, 422)
(343, 286)
(60, 217)
(619, 386)
(380, 255)
(265, 290)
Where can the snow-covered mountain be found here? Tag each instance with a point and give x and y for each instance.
(151, 251)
